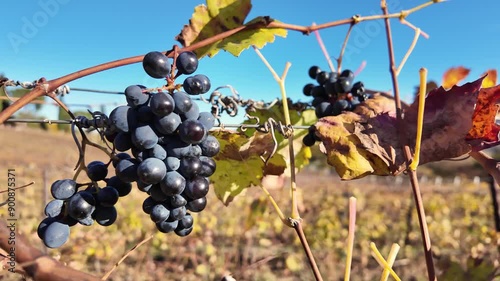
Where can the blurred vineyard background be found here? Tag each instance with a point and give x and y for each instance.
(247, 239)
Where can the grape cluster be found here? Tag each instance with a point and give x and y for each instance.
(334, 93)
(171, 158)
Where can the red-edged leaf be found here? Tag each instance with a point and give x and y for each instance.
(454, 75)
(484, 127)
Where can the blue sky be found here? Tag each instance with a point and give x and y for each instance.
(56, 37)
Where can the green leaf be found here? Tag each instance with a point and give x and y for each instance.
(222, 15)
(239, 165)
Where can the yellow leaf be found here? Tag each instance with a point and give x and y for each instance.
(454, 75)
(490, 80)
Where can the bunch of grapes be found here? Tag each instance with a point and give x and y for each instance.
(171, 158)
(333, 94)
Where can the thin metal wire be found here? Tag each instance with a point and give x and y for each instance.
(262, 128)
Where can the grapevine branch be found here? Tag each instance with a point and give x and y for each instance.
(406, 150)
(44, 87)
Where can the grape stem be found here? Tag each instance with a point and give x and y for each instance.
(46, 87)
(323, 49)
(418, 32)
(344, 45)
(406, 150)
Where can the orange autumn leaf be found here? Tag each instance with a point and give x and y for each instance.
(484, 127)
(454, 75)
(491, 79)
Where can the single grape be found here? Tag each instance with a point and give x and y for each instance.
(97, 170)
(189, 167)
(207, 166)
(343, 85)
(313, 71)
(151, 170)
(168, 124)
(148, 204)
(166, 226)
(81, 205)
(347, 74)
(339, 106)
(159, 213)
(197, 205)
(173, 183)
(63, 189)
(156, 152)
(177, 200)
(126, 170)
(108, 196)
(54, 208)
(207, 119)
(358, 88)
(323, 109)
(55, 234)
(205, 82)
(192, 131)
(177, 213)
(196, 187)
(105, 216)
(43, 226)
(137, 153)
(192, 86)
(192, 114)
(210, 146)
(123, 118)
(182, 102)
(123, 188)
(195, 150)
(186, 62)
(156, 65)
(307, 89)
(122, 141)
(143, 137)
(308, 140)
(172, 163)
(183, 232)
(162, 104)
(322, 77)
(135, 96)
(186, 222)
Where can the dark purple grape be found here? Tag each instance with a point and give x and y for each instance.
(123, 188)
(205, 82)
(151, 170)
(122, 141)
(126, 170)
(148, 204)
(54, 208)
(145, 115)
(307, 89)
(318, 91)
(166, 226)
(323, 109)
(159, 213)
(97, 170)
(156, 65)
(156, 152)
(308, 140)
(192, 131)
(135, 96)
(322, 77)
(177, 213)
(343, 85)
(63, 189)
(144, 137)
(168, 124)
(186, 62)
(172, 163)
(173, 183)
(55, 234)
(210, 146)
(191, 114)
(197, 205)
(81, 205)
(189, 167)
(108, 196)
(177, 200)
(347, 74)
(207, 166)
(196, 187)
(207, 119)
(313, 71)
(105, 216)
(162, 104)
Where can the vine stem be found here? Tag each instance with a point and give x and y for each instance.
(418, 32)
(344, 45)
(46, 87)
(406, 150)
(382, 262)
(390, 261)
(294, 220)
(323, 49)
(420, 119)
(350, 238)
